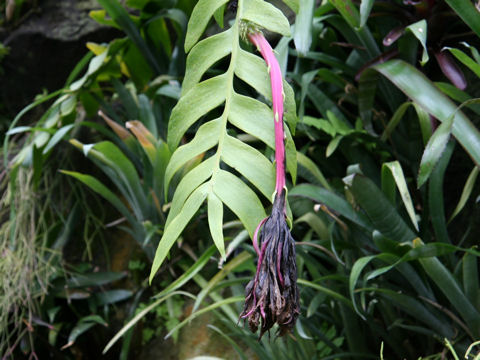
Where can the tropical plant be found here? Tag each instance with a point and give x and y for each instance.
(385, 210)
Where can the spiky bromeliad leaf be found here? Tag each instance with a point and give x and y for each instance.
(209, 180)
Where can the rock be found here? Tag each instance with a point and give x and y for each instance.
(44, 49)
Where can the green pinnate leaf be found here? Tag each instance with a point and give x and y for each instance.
(203, 55)
(199, 19)
(250, 163)
(215, 222)
(240, 199)
(177, 225)
(266, 16)
(196, 103)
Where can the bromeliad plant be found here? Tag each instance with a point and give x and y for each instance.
(272, 296)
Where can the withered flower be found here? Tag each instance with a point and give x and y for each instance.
(272, 296)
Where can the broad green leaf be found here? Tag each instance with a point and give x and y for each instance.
(215, 222)
(468, 12)
(466, 192)
(419, 30)
(250, 163)
(204, 55)
(175, 227)
(201, 14)
(240, 199)
(395, 169)
(422, 91)
(380, 211)
(266, 16)
(302, 34)
(206, 137)
(196, 103)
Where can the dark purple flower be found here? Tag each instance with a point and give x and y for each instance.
(272, 296)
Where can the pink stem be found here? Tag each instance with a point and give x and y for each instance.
(276, 82)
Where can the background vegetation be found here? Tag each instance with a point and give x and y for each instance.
(107, 176)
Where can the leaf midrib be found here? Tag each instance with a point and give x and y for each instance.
(228, 98)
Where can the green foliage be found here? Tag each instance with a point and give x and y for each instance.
(200, 98)
(380, 268)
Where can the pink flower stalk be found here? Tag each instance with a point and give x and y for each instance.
(276, 82)
(272, 296)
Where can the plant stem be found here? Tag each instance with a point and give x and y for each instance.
(276, 82)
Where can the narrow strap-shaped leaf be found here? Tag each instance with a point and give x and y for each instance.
(240, 199)
(380, 211)
(422, 91)
(302, 35)
(450, 288)
(395, 169)
(333, 201)
(470, 278)
(103, 191)
(468, 12)
(177, 225)
(466, 192)
(199, 19)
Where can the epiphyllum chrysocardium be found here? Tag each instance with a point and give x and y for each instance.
(272, 295)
